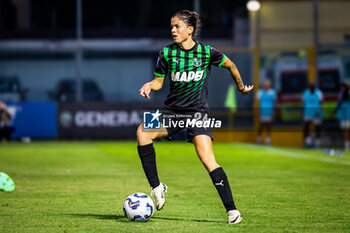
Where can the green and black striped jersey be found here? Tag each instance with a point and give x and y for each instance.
(188, 72)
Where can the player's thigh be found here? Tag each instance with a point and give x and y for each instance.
(151, 133)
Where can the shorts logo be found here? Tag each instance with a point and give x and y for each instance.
(151, 120)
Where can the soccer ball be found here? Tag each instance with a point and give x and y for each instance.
(138, 207)
(6, 183)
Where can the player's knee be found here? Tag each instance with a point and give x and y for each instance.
(144, 137)
(140, 134)
(207, 153)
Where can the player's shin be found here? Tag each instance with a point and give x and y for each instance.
(220, 181)
(148, 159)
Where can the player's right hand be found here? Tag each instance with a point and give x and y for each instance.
(145, 90)
(246, 89)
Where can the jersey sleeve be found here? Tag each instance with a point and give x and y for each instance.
(161, 65)
(216, 57)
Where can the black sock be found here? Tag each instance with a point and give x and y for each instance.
(148, 159)
(220, 181)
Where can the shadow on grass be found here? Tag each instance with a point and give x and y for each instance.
(187, 220)
(101, 216)
(122, 218)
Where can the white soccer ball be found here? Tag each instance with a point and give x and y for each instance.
(138, 207)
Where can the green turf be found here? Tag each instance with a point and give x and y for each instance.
(81, 187)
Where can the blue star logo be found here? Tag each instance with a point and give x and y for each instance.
(151, 120)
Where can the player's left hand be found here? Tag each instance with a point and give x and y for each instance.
(246, 89)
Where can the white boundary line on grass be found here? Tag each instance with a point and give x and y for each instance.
(287, 153)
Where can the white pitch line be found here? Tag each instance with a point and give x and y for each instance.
(279, 151)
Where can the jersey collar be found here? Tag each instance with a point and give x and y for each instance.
(187, 50)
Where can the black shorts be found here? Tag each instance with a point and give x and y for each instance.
(175, 120)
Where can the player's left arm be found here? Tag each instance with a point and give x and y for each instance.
(4, 108)
(228, 64)
(320, 96)
(275, 105)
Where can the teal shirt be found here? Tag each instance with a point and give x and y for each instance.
(312, 103)
(267, 101)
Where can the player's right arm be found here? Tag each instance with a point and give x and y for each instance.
(155, 85)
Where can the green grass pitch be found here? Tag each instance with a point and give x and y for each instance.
(81, 187)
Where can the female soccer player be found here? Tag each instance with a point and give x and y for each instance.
(187, 62)
(343, 109)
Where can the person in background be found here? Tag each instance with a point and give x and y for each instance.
(343, 109)
(266, 98)
(312, 99)
(5, 118)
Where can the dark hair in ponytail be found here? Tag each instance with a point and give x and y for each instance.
(191, 18)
